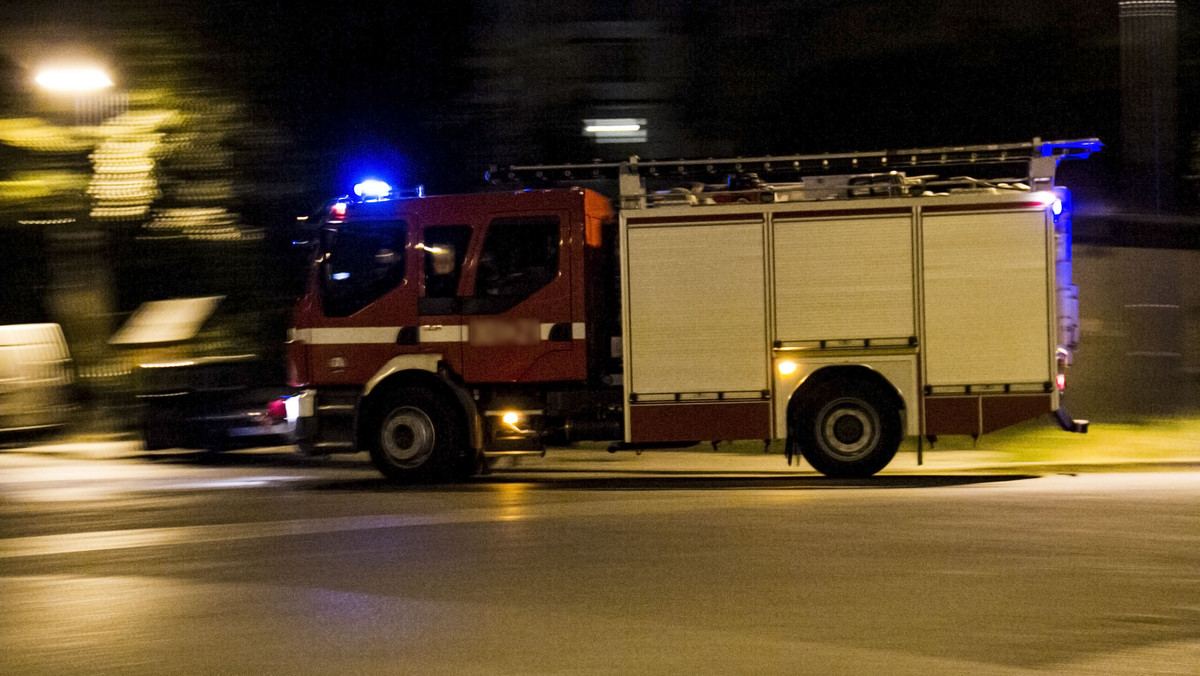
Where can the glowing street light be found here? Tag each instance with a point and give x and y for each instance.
(89, 86)
(73, 79)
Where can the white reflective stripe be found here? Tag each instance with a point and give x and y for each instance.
(578, 330)
(429, 333)
(359, 335)
(443, 333)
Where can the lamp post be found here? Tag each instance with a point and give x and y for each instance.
(81, 290)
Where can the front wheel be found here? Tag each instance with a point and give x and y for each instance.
(415, 436)
(848, 429)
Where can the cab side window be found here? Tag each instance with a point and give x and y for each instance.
(363, 261)
(519, 257)
(445, 248)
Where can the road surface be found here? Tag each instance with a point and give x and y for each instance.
(269, 563)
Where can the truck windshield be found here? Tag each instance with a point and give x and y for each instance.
(362, 260)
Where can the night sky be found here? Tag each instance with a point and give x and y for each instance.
(398, 83)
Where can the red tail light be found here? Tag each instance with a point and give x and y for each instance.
(277, 409)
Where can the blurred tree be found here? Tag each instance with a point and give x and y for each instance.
(169, 192)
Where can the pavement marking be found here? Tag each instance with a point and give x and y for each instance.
(514, 507)
(74, 543)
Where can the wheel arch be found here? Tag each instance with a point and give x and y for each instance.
(391, 379)
(825, 374)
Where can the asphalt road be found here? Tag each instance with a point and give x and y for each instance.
(269, 563)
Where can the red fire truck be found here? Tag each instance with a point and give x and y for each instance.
(838, 302)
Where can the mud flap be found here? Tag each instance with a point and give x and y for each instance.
(1067, 423)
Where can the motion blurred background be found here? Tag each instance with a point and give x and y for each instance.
(225, 121)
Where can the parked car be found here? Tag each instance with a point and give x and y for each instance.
(190, 398)
(37, 378)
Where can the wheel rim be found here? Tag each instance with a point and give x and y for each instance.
(848, 429)
(407, 437)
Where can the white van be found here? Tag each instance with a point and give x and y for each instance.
(37, 380)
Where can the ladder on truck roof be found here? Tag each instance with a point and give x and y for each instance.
(1040, 157)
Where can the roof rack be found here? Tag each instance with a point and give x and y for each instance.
(1040, 157)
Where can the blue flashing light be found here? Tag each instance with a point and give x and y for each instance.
(1057, 207)
(339, 276)
(372, 189)
(1080, 148)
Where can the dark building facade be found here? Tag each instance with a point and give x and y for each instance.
(1149, 115)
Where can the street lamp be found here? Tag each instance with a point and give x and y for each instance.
(74, 79)
(84, 84)
(81, 290)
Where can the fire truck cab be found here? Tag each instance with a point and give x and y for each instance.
(840, 312)
(436, 327)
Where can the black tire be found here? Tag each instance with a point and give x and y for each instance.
(156, 436)
(415, 436)
(848, 428)
(163, 428)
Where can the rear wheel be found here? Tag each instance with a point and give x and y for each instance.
(163, 427)
(413, 435)
(848, 428)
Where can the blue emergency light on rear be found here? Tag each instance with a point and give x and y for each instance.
(1078, 149)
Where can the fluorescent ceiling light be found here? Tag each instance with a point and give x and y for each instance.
(615, 130)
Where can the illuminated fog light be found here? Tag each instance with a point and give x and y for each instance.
(511, 417)
(787, 368)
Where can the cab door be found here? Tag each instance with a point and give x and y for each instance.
(518, 310)
(364, 297)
